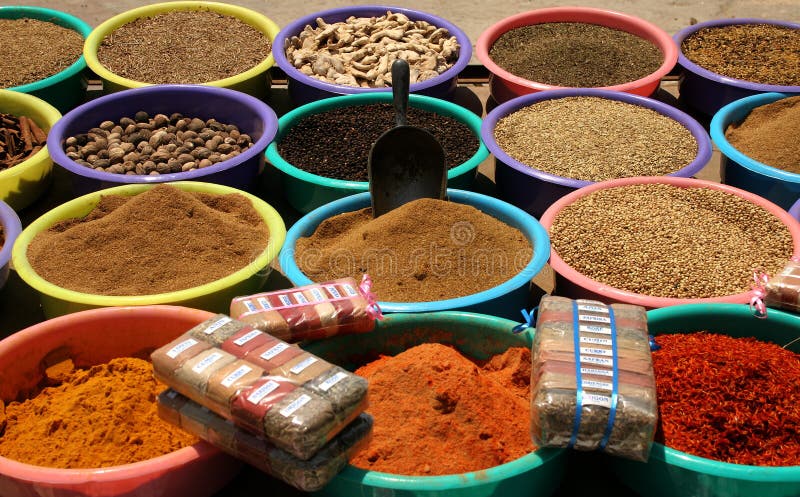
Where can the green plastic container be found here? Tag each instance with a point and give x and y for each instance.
(305, 191)
(478, 336)
(63, 90)
(671, 473)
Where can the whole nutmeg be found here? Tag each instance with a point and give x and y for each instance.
(160, 120)
(102, 153)
(204, 163)
(158, 138)
(126, 121)
(224, 148)
(206, 134)
(107, 125)
(149, 166)
(201, 153)
(71, 141)
(184, 158)
(116, 154)
(163, 168)
(90, 148)
(133, 156)
(129, 147)
(116, 169)
(104, 163)
(188, 166)
(196, 124)
(141, 117)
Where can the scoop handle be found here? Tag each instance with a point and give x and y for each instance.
(400, 82)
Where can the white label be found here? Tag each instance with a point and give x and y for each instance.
(593, 308)
(277, 349)
(181, 347)
(246, 337)
(250, 305)
(300, 298)
(596, 400)
(594, 351)
(594, 319)
(294, 406)
(590, 328)
(217, 325)
(231, 378)
(597, 385)
(597, 372)
(264, 303)
(316, 293)
(262, 391)
(333, 380)
(333, 291)
(596, 340)
(207, 361)
(300, 366)
(350, 290)
(600, 361)
(285, 300)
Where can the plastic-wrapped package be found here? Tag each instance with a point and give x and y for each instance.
(217, 329)
(311, 312)
(783, 289)
(592, 381)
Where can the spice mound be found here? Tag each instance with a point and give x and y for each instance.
(769, 134)
(311, 146)
(102, 416)
(196, 46)
(666, 241)
(162, 240)
(595, 139)
(760, 53)
(425, 250)
(436, 412)
(729, 399)
(575, 54)
(32, 50)
(20, 139)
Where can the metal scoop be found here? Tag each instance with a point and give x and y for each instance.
(406, 162)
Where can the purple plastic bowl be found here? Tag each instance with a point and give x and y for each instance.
(11, 230)
(707, 91)
(304, 89)
(250, 115)
(794, 210)
(534, 190)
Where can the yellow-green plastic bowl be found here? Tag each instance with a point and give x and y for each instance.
(214, 296)
(255, 81)
(22, 184)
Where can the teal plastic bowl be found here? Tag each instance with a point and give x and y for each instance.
(671, 473)
(475, 335)
(63, 90)
(305, 191)
(505, 300)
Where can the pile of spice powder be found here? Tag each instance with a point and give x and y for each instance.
(667, 241)
(769, 134)
(595, 139)
(336, 143)
(425, 250)
(733, 400)
(162, 240)
(102, 416)
(196, 46)
(760, 53)
(436, 412)
(575, 54)
(32, 50)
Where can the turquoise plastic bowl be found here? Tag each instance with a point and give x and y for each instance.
(741, 171)
(671, 473)
(305, 191)
(505, 300)
(63, 90)
(477, 336)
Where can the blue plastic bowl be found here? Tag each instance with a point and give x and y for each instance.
(11, 229)
(707, 91)
(741, 171)
(504, 300)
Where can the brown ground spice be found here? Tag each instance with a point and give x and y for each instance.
(423, 251)
(194, 46)
(436, 412)
(159, 241)
(769, 134)
(31, 50)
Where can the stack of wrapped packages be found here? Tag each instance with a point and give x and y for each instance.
(592, 380)
(285, 411)
(781, 291)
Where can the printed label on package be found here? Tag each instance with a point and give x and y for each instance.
(285, 300)
(250, 305)
(596, 351)
(317, 295)
(207, 361)
(597, 400)
(596, 385)
(591, 328)
(600, 361)
(333, 291)
(277, 349)
(349, 290)
(594, 319)
(237, 374)
(259, 393)
(264, 303)
(593, 308)
(217, 325)
(596, 340)
(247, 337)
(295, 405)
(300, 366)
(181, 347)
(597, 372)
(300, 298)
(333, 380)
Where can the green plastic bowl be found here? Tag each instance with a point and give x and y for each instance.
(215, 296)
(671, 473)
(478, 336)
(63, 90)
(305, 191)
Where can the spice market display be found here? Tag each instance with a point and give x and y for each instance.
(339, 352)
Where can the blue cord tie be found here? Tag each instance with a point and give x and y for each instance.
(614, 381)
(529, 317)
(578, 381)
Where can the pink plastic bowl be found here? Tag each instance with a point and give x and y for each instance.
(94, 337)
(504, 86)
(571, 283)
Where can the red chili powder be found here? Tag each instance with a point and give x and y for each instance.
(730, 399)
(437, 412)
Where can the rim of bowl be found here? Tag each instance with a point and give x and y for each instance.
(51, 115)
(56, 137)
(794, 210)
(529, 226)
(370, 10)
(250, 17)
(704, 149)
(273, 220)
(568, 272)
(12, 227)
(663, 41)
(704, 465)
(43, 474)
(442, 107)
(719, 78)
(74, 23)
(728, 115)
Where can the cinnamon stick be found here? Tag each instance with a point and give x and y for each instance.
(20, 138)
